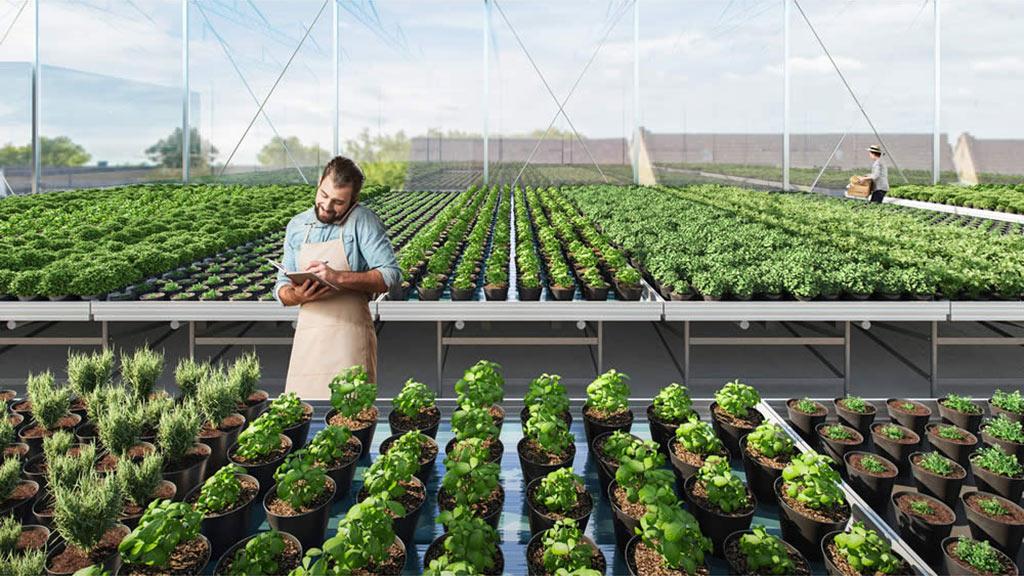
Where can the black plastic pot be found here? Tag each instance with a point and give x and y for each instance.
(714, 524)
(661, 432)
(21, 510)
(133, 521)
(86, 433)
(309, 527)
(191, 476)
(230, 553)
(629, 555)
(38, 516)
(1007, 446)
(759, 477)
(264, 472)
(365, 434)
(730, 434)
(529, 293)
(856, 420)
(835, 448)
(462, 294)
(605, 470)
(426, 469)
(1005, 536)
(625, 525)
(954, 568)
(969, 422)
(942, 488)
(805, 423)
(532, 470)
(830, 566)
(898, 452)
(915, 422)
(405, 526)
(920, 535)
(397, 428)
(253, 411)
(562, 294)
(539, 522)
(996, 411)
(736, 570)
(874, 488)
(223, 529)
(684, 470)
(219, 447)
(537, 540)
(594, 428)
(987, 481)
(496, 292)
(805, 534)
(112, 563)
(957, 452)
(300, 432)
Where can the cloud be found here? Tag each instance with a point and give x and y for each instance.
(1011, 64)
(819, 65)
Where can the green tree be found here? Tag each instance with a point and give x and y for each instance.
(274, 154)
(59, 151)
(167, 152)
(381, 148)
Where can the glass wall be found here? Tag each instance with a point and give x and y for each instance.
(17, 20)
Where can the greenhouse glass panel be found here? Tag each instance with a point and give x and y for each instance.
(16, 29)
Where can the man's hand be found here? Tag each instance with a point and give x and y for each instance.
(308, 291)
(324, 272)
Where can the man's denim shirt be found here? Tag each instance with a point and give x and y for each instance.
(366, 244)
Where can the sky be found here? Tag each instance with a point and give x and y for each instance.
(112, 68)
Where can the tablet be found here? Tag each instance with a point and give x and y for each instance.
(300, 277)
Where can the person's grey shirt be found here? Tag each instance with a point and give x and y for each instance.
(366, 244)
(880, 174)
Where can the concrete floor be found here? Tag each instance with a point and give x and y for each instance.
(886, 360)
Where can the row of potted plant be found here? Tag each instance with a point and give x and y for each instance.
(528, 264)
(435, 271)
(466, 278)
(560, 281)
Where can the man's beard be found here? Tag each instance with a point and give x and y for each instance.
(326, 217)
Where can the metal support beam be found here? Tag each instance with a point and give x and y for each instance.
(636, 92)
(786, 5)
(936, 120)
(37, 88)
(768, 341)
(521, 341)
(186, 121)
(846, 358)
(600, 347)
(440, 357)
(192, 340)
(335, 57)
(105, 334)
(487, 91)
(686, 353)
(934, 341)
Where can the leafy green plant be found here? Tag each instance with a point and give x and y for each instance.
(414, 398)
(260, 439)
(188, 374)
(1009, 401)
(287, 409)
(867, 551)
(445, 565)
(950, 433)
(548, 389)
(141, 370)
(411, 443)
(559, 490)
(87, 372)
(84, 511)
(764, 552)
(384, 478)
(855, 404)
(908, 406)
(178, 431)
(737, 399)
(771, 441)
(548, 430)
(163, 526)
(810, 479)
(922, 507)
(962, 404)
(993, 459)
(473, 422)
(10, 531)
(565, 549)
(674, 534)
(617, 443)
(244, 375)
(469, 479)
(470, 539)
(992, 507)
(640, 467)
(352, 392)
(328, 446)
(1005, 429)
(364, 535)
(724, 489)
(873, 465)
(138, 481)
(807, 406)
(260, 555)
(936, 464)
(892, 432)
(221, 490)
(299, 482)
(609, 393)
(673, 403)
(699, 437)
(979, 554)
(481, 385)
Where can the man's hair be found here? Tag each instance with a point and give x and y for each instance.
(344, 172)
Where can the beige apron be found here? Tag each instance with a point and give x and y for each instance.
(332, 334)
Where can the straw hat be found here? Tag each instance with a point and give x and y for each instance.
(874, 149)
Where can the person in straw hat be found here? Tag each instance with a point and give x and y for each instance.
(879, 174)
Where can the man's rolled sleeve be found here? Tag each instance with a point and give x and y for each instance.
(288, 260)
(377, 250)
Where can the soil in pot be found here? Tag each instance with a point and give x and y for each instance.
(996, 519)
(896, 449)
(838, 439)
(804, 527)
(108, 462)
(761, 470)
(262, 468)
(909, 414)
(219, 439)
(426, 421)
(19, 503)
(945, 488)
(873, 485)
(922, 527)
(805, 422)
(542, 518)
(714, 522)
(837, 565)
(132, 512)
(33, 433)
(64, 559)
(626, 515)
(731, 428)
(17, 449)
(190, 471)
(489, 509)
(597, 422)
(536, 462)
(969, 421)
(362, 425)
(954, 443)
(859, 421)
(309, 523)
(644, 561)
(188, 558)
(254, 405)
(289, 559)
(427, 457)
(224, 527)
(738, 561)
(954, 565)
(685, 463)
(32, 537)
(412, 500)
(436, 550)
(535, 556)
